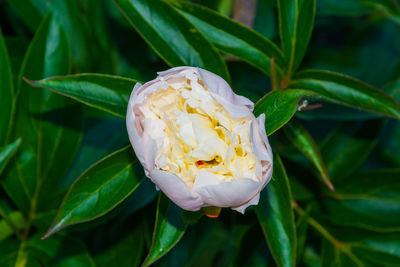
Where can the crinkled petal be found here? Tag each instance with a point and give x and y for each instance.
(176, 190)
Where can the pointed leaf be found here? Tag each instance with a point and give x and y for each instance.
(347, 91)
(7, 152)
(296, 22)
(275, 215)
(7, 98)
(304, 142)
(45, 122)
(279, 107)
(104, 92)
(98, 190)
(168, 230)
(172, 36)
(232, 37)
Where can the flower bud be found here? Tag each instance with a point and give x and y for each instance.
(198, 141)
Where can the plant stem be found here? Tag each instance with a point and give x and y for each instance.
(345, 248)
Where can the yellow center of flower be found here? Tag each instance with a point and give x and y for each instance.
(197, 133)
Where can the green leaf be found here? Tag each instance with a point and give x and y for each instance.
(301, 233)
(390, 8)
(58, 251)
(347, 147)
(191, 217)
(369, 200)
(45, 122)
(275, 214)
(87, 38)
(383, 249)
(304, 142)
(28, 11)
(7, 98)
(16, 223)
(168, 230)
(296, 22)
(334, 257)
(7, 152)
(172, 36)
(279, 107)
(104, 92)
(98, 190)
(232, 37)
(9, 252)
(346, 90)
(124, 252)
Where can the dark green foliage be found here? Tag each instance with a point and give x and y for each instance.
(325, 73)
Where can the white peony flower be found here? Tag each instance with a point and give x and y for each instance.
(198, 141)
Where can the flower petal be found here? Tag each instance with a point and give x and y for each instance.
(176, 190)
(229, 194)
(253, 201)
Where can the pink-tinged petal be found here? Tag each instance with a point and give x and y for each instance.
(219, 86)
(176, 190)
(229, 194)
(233, 110)
(253, 201)
(174, 71)
(259, 140)
(134, 130)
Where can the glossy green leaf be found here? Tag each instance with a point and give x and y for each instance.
(296, 22)
(168, 230)
(279, 107)
(370, 200)
(104, 92)
(7, 98)
(347, 91)
(172, 36)
(275, 214)
(304, 142)
(232, 37)
(98, 190)
(7, 152)
(346, 148)
(45, 122)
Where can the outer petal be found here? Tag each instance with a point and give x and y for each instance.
(228, 194)
(219, 86)
(145, 148)
(253, 201)
(134, 137)
(176, 190)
